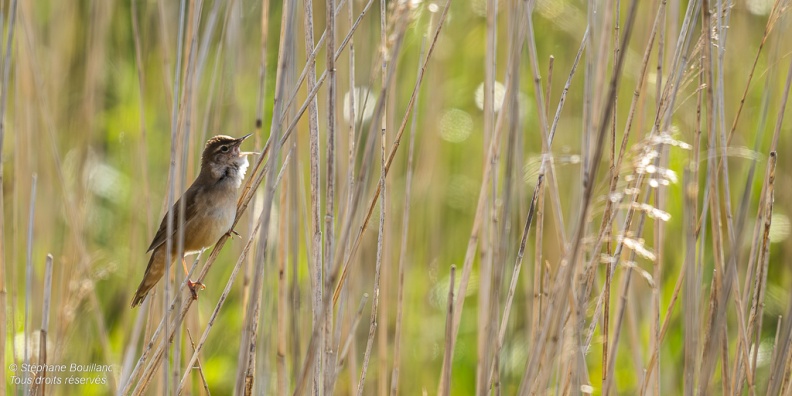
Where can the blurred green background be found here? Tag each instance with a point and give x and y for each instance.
(94, 126)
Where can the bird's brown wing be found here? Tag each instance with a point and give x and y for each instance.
(190, 208)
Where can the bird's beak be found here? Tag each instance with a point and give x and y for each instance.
(239, 143)
(242, 139)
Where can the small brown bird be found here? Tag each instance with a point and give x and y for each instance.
(209, 209)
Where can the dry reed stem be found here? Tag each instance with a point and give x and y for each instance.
(287, 206)
(250, 327)
(336, 340)
(717, 318)
(383, 250)
(346, 225)
(244, 199)
(771, 19)
(675, 295)
(198, 365)
(351, 336)
(76, 224)
(484, 329)
(730, 227)
(330, 191)
(282, 381)
(45, 311)
(242, 205)
(141, 103)
(394, 148)
(610, 213)
(387, 76)
(445, 378)
(552, 318)
(171, 198)
(150, 369)
(623, 301)
(185, 123)
(535, 201)
(224, 295)
(779, 355)
(659, 203)
(316, 240)
(752, 256)
(669, 94)
(397, 337)
(757, 307)
(6, 70)
(480, 208)
(27, 352)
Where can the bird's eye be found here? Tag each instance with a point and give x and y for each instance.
(224, 149)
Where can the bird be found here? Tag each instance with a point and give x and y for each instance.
(209, 210)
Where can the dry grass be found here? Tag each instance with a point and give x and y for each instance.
(613, 223)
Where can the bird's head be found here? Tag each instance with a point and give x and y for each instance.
(223, 158)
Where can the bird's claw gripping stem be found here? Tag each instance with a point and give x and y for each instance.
(193, 288)
(233, 232)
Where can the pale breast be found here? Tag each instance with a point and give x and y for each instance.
(214, 218)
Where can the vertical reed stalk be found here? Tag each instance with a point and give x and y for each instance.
(45, 311)
(329, 235)
(6, 70)
(316, 240)
(28, 351)
(445, 378)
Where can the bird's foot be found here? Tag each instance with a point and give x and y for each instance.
(233, 232)
(194, 286)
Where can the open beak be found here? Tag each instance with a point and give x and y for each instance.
(239, 142)
(242, 139)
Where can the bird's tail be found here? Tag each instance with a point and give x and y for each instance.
(150, 279)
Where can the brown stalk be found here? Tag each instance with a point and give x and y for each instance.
(386, 76)
(780, 353)
(74, 219)
(771, 20)
(718, 311)
(172, 182)
(394, 148)
(480, 208)
(316, 240)
(351, 336)
(242, 205)
(536, 201)
(198, 365)
(757, 307)
(485, 322)
(677, 287)
(244, 200)
(753, 256)
(610, 213)
(246, 195)
(445, 378)
(329, 354)
(333, 277)
(45, 312)
(6, 70)
(563, 276)
(386, 124)
(623, 301)
(282, 380)
(224, 295)
(660, 197)
(28, 347)
(146, 191)
(250, 327)
(397, 337)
